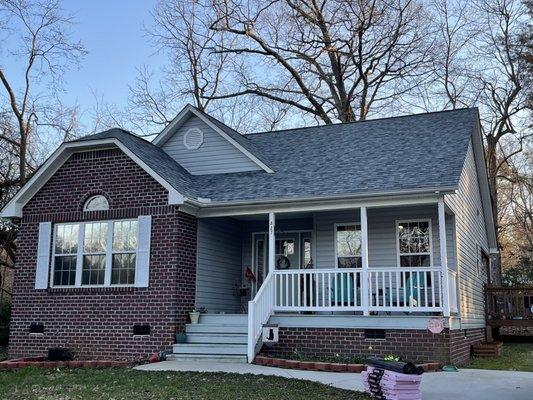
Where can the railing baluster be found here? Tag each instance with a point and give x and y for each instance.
(425, 289)
(432, 289)
(316, 290)
(418, 288)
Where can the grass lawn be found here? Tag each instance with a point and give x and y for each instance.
(120, 383)
(515, 357)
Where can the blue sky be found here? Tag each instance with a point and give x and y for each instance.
(112, 32)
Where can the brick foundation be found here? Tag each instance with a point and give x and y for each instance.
(414, 345)
(98, 322)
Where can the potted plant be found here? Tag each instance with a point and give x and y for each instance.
(181, 337)
(194, 315)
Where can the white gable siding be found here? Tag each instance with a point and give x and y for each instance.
(215, 156)
(470, 234)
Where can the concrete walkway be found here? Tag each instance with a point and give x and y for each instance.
(467, 384)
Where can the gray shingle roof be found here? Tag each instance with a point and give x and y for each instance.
(422, 151)
(392, 154)
(154, 157)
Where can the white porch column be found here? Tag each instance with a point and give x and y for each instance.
(443, 259)
(364, 262)
(271, 242)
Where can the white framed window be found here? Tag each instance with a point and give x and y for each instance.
(414, 244)
(102, 253)
(124, 252)
(348, 245)
(65, 255)
(96, 203)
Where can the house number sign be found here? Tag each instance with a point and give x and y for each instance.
(435, 325)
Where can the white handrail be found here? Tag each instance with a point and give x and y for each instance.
(259, 311)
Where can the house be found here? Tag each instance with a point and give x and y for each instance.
(353, 238)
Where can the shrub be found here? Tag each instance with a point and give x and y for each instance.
(5, 317)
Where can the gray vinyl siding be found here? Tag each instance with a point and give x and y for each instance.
(219, 264)
(471, 234)
(381, 233)
(215, 156)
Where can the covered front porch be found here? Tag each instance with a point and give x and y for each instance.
(361, 261)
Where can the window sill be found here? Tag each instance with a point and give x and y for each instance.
(92, 289)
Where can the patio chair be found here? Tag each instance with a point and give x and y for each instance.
(342, 291)
(412, 293)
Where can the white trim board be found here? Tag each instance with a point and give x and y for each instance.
(360, 322)
(58, 158)
(184, 114)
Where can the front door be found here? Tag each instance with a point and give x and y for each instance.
(292, 251)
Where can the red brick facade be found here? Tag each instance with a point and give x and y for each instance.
(98, 322)
(414, 345)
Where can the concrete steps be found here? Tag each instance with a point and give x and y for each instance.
(217, 337)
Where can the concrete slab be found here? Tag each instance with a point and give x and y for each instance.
(467, 384)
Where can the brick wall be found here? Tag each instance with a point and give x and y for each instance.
(413, 345)
(98, 322)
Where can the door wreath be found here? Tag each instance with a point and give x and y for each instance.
(283, 262)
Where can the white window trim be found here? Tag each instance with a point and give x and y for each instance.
(357, 225)
(79, 255)
(397, 238)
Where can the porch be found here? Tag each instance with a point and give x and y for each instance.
(365, 261)
(382, 266)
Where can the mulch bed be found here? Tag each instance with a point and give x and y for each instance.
(326, 366)
(42, 362)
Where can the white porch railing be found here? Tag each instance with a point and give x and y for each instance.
(405, 289)
(415, 289)
(259, 311)
(318, 290)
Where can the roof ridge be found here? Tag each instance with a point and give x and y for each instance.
(362, 122)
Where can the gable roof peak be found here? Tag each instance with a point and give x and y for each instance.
(243, 144)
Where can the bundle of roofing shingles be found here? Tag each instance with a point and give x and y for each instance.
(389, 385)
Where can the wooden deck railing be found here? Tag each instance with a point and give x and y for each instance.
(509, 306)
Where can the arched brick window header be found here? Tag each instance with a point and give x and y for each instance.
(95, 201)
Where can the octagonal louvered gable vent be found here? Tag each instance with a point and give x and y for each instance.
(193, 139)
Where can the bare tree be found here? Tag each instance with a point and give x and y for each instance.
(503, 103)
(39, 48)
(332, 59)
(42, 43)
(181, 31)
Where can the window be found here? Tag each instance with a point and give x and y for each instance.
(96, 203)
(94, 248)
(414, 243)
(307, 256)
(124, 257)
(284, 247)
(348, 245)
(104, 253)
(65, 255)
